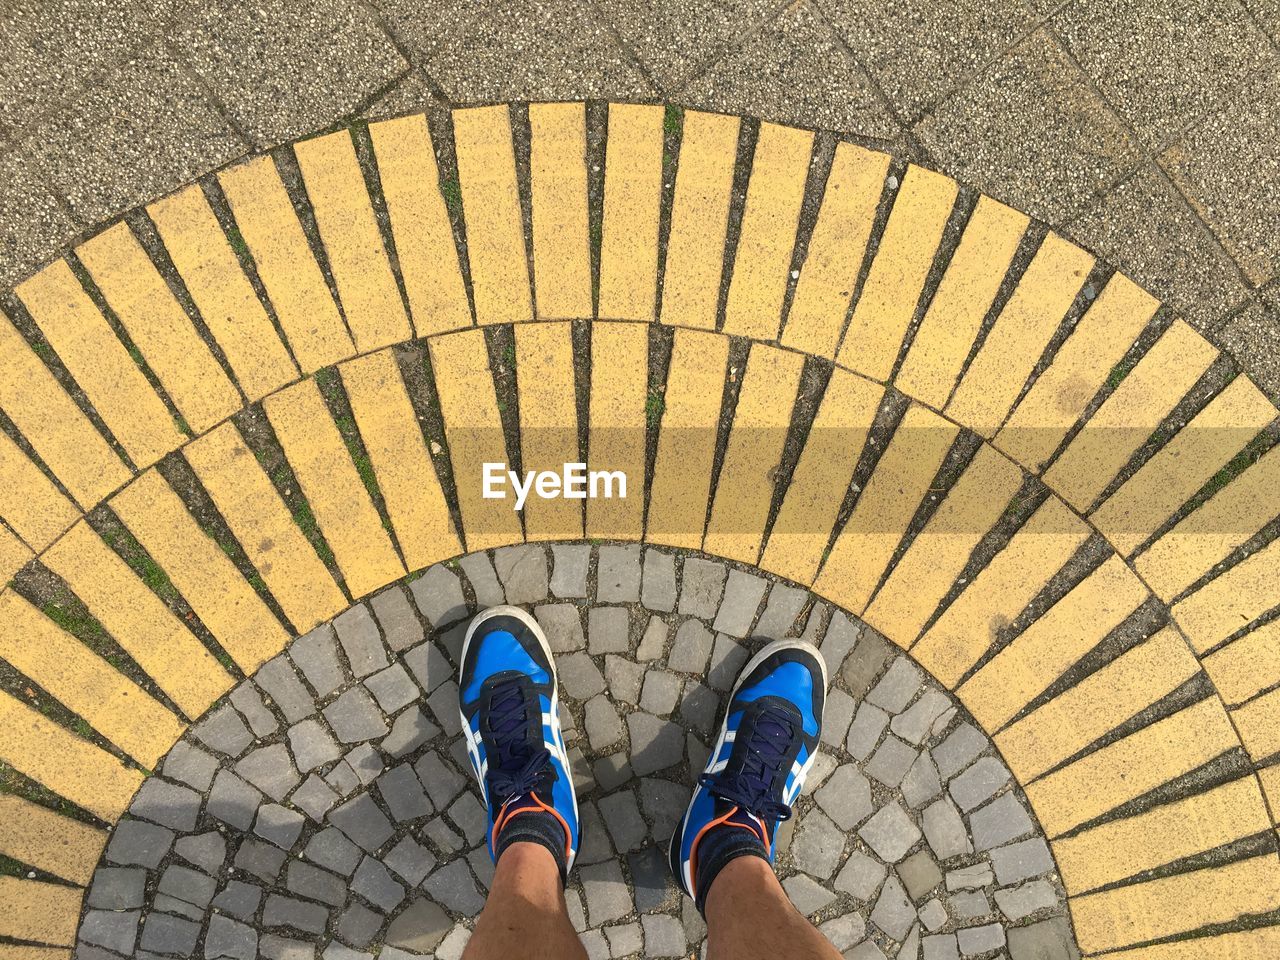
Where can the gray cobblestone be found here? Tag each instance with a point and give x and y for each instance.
(260, 859)
(846, 797)
(358, 925)
(227, 938)
(442, 783)
(410, 860)
(314, 797)
(286, 912)
(392, 688)
(395, 615)
(361, 641)
(891, 832)
(624, 677)
(278, 825)
(117, 888)
(331, 849)
(618, 574)
(361, 820)
(728, 657)
(166, 934)
(868, 724)
(191, 765)
(483, 579)
(248, 701)
(838, 642)
(621, 813)
(569, 565)
(691, 649)
(167, 804)
(780, 612)
(944, 830)
(523, 572)
(979, 940)
(428, 665)
(579, 676)
(469, 815)
(562, 623)
(223, 730)
(1047, 940)
(275, 947)
(316, 884)
(807, 895)
(606, 893)
(1018, 902)
(870, 654)
(604, 726)
(653, 641)
(279, 681)
(365, 763)
(316, 655)
(354, 717)
(410, 730)
(921, 784)
(136, 842)
(208, 851)
(893, 913)
(271, 770)
(914, 724)
(655, 744)
(239, 899)
(311, 745)
(900, 683)
(980, 782)
(419, 927)
(742, 595)
(817, 845)
(891, 761)
(663, 936)
(115, 931)
(661, 692)
(960, 748)
(658, 586)
(701, 587)
(1021, 861)
(1001, 820)
(607, 630)
(836, 717)
(374, 882)
(438, 592)
(919, 873)
(454, 887)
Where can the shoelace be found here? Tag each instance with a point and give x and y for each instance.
(519, 766)
(752, 788)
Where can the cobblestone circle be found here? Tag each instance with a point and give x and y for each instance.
(325, 807)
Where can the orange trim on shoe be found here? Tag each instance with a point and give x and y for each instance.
(693, 848)
(504, 818)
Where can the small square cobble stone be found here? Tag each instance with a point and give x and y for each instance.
(239, 899)
(286, 912)
(663, 936)
(817, 845)
(658, 586)
(233, 801)
(410, 860)
(316, 655)
(780, 612)
(316, 884)
(224, 732)
(1001, 820)
(661, 692)
(1021, 861)
(331, 849)
(870, 654)
(1018, 902)
(1049, 939)
(914, 724)
(361, 641)
(861, 876)
(362, 822)
(410, 730)
(806, 894)
(365, 762)
(890, 832)
(117, 888)
(979, 783)
(701, 587)
(569, 565)
(655, 744)
(134, 842)
(653, 641)
(625, 677)
(605, 892)
(608, 630)
(354, 717)
(455, 889)
(621, 813)
(438, 594)
(651, 876)
(846, 797)
(618, 574)
(664, 804)
(114, 931)
(921, 784)
(374, 882)
(919, 874)
(312, 745)
(358, 925)
(192, 886)
(975, 941)
(960, 748)
(190, 765)
(897, 687)
(944, 830)
(165, 934)
(271, 770)
(428, 665)
(314, 798)
(229, 939)
(260, 859)
(403, 794)
(246, 699)
(868, 724)
(891, 761)
(275, 947)
(392, 688)
(579, 676)
(167, 804)
(523, 572)
(691, 649)
(562, 623)
(418, 928)
(728, 657)
(483, 579)
(838, 642)
(279, 681)
(837, 715)
(278, 825)
(470, 816)
(894, 912)
(441, 781)
(604, 726)
(742, 595)
(395, 615)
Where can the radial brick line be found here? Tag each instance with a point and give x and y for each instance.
(1050, 500)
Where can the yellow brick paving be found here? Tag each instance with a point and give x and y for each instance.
(940, 551)
(29, 502)
(548, 424)
(1052, 644)
(822, 476)
(836, 248)
(14, 554)
(401, 462)
(48, 841)
(760, 421)
(342, 506)
(1082, 715)
(1130, 415)
(61, 435)
(1184, 465)
(10, 951)
(39, 911)
(69, 766)
(491, 206)
(850, 575)
(205, 576)
(352, 243)
(617, 422)
(1245, 667)
(1001, 591)
(964, 296)
(896, 279)
(558, 188)
(632, 210)
(139, 621)
(1019, 336)
(222, 293)
(85, 683)
(1258, 723)
(261, 523)
(686, 444)
(762, 260)
(1203, 538)
(1060, 395)
(150, 314)
(420, 228)
(474, 433)
(1226, 605)
(699, 220)
(1236, 945)
(85, 343)
(288, 270)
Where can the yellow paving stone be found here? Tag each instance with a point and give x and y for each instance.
(474, 432)
(687, 441)
(29, 502)
(420, 228)
(101, 365)
(1052, 644)
(1231, 602)
(895, 281)
(43, 912)
(267, 222)
(62, 436)
(49, 841)
(1000, 591)
(760, 423)
(1132, 766)
(1184, 465)
(1177, 904)
(161, 329)
(762, 259)
(222, 293)
(699, 220)
(406, 475)
(139, 621)
(822, 476)
(226, 604)
(1130, 415)
(1245, 667)
(1258, 722)
(548, 424)
(1234, 945)
(1077, 372)
(558, 185)
(1270, 778)
(618, 421)
(964, 296)
(1098, 704)
(632, 207)
(1200, 540)
(884, 508)
(14, 554)
(1018, 337)
(85, 683)
(940, 551)
(352, 242)
(55, 757)
(260, 521)
(836, 249)
(343, 508)
(491, 206)
(21, 951)
(1115, 851)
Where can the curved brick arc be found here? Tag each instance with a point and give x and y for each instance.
(1062, 503)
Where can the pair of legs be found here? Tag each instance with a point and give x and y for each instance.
(748, 914)
(721, 854)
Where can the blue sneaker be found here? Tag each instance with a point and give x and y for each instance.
(767, 745)
(511, 716)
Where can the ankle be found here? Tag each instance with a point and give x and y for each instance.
(721, 848)
(532, 827)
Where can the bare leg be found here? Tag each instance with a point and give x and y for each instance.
(525, 915)
(750, 918)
